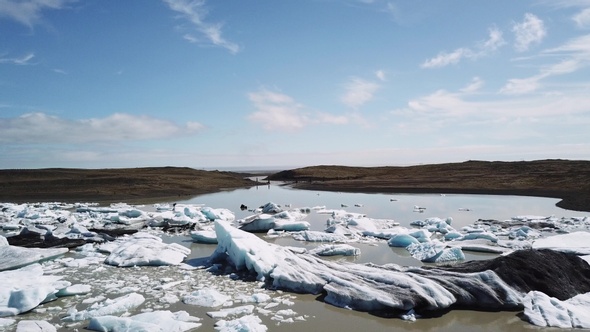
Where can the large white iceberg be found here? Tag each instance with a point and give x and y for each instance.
(13, 257)
(142, 249)
(157, 321)
(361, 287)
(576, 242)
(24, 289)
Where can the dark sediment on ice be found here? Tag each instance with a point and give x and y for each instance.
(557, 274)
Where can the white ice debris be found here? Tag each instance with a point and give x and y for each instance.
(435, 252)
(206, 297)
(13, 257)
(543, 310)
(107, 307)
(24, 289)
(248, 323)
(205, 236)
(577, 243)
(142, 249)
(149, 321)
(335, 250)
(34, 326)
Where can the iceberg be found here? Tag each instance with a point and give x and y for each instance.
(142, 249)
(435, 252)
(576, 242)
(361, 287)
(107, 307)
(148, 321)
(206, 298)
(34, 326)
(543, 310)
(13, 257)
(24, 289)
(335, 250)
(248, 323)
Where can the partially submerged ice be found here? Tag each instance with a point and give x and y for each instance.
(388, 287)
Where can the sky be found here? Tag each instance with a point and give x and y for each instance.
(283, 84)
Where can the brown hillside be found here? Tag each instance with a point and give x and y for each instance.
(565, 179)
(113, 185)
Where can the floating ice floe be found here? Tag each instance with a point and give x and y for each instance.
(335, 250)
(208, 237)
(249, 323)
(24, 289)
(206, 297)
(13, 257)
(148, 321)
(34, 326)
(435, 252)
(142, 249)
(107, 307)
(577, 243)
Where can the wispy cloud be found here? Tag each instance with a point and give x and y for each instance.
(494, 41)
(115, 128)
(276, 111)
(461, 104)
(530, 31)
(381, 75)
(358, 92)
(575, 55)
(582, 18)
(28, 12)
(21, 61)
(195, 12)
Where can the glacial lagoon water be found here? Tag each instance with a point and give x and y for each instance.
(312, 313)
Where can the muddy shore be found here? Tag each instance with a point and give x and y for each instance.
(564, 179)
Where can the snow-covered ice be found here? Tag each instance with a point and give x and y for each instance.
(143, 249)
(543, 310)
(150, 321)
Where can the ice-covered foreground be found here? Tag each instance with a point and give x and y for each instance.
(160, 279)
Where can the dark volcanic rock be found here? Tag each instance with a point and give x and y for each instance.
(554, 273)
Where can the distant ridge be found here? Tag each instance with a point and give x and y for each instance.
(568, 180)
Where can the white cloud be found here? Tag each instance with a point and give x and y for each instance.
(40, 128)
(530, 31)
(28, 12)
(195, 12)
(582, 18)
(474, 86)
(576, 54)
(24, 60)
(359, 92)
(381, 75)
(494, 41)
(276, 111)
(462, 105)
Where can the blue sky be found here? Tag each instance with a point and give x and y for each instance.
(219, 84)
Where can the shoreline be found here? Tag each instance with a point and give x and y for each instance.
(568, 181)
